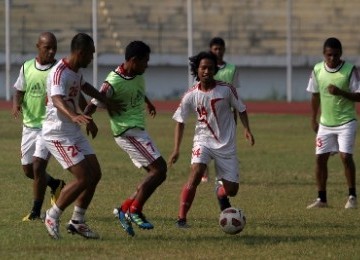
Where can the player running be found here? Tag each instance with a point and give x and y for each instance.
(126, 85)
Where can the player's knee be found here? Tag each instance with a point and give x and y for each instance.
(28, 171)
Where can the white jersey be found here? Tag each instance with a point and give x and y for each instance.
(67, 83)
(215, 127)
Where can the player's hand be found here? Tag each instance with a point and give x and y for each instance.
(81, 119)
(151, 109)
(16, 111)
(334, 90)
(173, 158)
(249, 137)
(91, 128)
(315, 126)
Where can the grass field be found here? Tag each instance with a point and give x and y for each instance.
(277, 182)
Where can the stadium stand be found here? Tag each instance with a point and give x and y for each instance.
(250, 27)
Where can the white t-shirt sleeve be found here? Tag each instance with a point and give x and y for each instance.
(236, 101)
(58, 89)
(108, 90)
(312, 86)
(183, 110)
(19, 84)
(355, 81)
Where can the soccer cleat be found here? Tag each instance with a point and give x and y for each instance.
(52, 226)
(73, 227)
(56, 193)
(351, 203)
(31, 216)
(125, 222)
(317, 204)
(140, 220)
(181, 223)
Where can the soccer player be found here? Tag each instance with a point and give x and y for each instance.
(335, 87)
(126, 85)
(226, 72)
(29, 99)
(64, 139)
(215, 133)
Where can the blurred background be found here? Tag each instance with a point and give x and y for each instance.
(274, 43)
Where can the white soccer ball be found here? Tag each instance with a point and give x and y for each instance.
(232, 220)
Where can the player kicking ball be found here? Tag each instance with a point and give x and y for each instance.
(215, 133)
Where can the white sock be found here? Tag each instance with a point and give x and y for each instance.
(55, 212)
(78, 214)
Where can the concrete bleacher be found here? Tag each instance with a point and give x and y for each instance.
(255, 27)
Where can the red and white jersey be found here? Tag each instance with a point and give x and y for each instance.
(67, 83)
(215, 127)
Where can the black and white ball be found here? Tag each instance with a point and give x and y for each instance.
(232, 220)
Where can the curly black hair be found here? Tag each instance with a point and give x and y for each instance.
(195, 62)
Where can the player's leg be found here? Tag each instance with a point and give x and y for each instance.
(143, 152)
(347, 134)
(188, 193)
(227, 183)
(326, 144)
(27, 150)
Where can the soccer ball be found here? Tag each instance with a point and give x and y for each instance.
(232, 220)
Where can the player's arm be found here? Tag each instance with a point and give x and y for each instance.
(354, 86)
(91, 127)
(150, 107)
(17, 102)
(101, 96)
(315, 105)
(245, 122)
(63, 108)
(178, 136)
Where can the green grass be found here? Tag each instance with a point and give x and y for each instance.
(277, 182)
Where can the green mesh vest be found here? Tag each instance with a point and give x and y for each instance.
(34, 102)
(335, 110)
(130, 92)
(226, 74)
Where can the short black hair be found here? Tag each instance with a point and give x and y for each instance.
(81, 41)
(332, 43)
(195, 62)
(217, 41)
(137, 49)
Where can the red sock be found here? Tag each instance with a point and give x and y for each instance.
(186, 198)
(126, 205)
(136, 207)
(220, 192)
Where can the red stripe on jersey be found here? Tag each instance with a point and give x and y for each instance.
(232, 88)
(57, 74)
(63, 153)
(213, 108)
(143, 151)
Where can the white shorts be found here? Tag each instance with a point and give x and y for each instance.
(32, 145)
(226, 164)
(69, 149)
(336, 139)
(139, 146)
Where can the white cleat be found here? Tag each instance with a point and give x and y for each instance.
(82, 229)
(52, 226)
(317, 204)
(351, 203)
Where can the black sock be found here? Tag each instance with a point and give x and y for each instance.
(37, 207)
(53, 183)
(322, 196)
(224, 203)
(352, 192)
